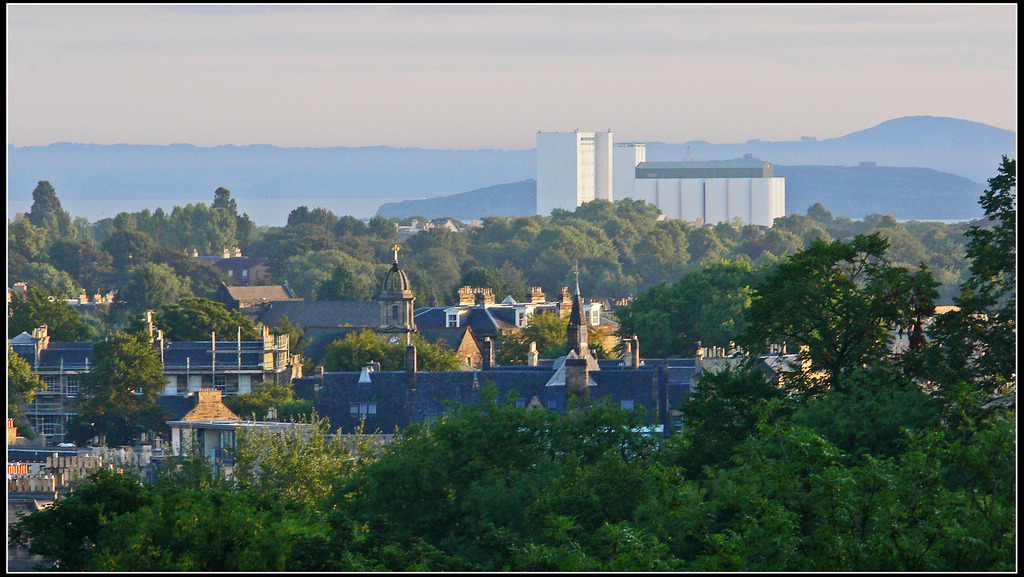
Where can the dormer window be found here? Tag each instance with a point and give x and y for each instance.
(451, 318)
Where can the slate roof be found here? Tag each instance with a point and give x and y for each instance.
(451, 337)
(70, 355)
(317, 339)
(250, 295)
(400, 399)
(322, 313)
(484, 320)
(199, 355)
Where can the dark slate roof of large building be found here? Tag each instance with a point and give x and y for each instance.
(484, 320)
(450, 337)
(400, 398)
(199, 355)
(176, 406)
(322, 313)
(317, 339)
(738, 168)
(69, 355)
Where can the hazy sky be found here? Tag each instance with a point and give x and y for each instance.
(487, 76)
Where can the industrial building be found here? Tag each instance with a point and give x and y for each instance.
(574, 168)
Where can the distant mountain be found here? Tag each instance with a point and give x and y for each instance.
(904, 193)
(854, 192)
(513, 199)
(268, 182)
(968, 149)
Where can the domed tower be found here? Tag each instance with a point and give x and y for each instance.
(396, 304)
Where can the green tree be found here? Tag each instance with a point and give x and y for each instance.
(194, 318)
(548, 331)
(86, 262)
(349, 281)
(26, 238)
(151, 286)
(975, 353)
(129, 248)
(36, 308)
(22, 383)
(47, 213)
(118, 399)
(356, 350)
(266, 395)
(705, 306)
(69, 533)
(55, 282)
(841, 300)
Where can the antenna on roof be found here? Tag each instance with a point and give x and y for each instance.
(689, 157)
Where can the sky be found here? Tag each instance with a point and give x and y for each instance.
(490, 76)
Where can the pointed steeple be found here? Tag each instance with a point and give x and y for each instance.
(577, 330)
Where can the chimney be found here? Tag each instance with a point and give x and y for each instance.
(537, 295)
(488, 353)
(634, 345)
(577, 375)
(227, 253)
(41, 336)
(147, 319)
(410, 359)
(466, 297)
(532, 354)
(237, 252)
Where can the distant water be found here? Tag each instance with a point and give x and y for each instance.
(262, 211)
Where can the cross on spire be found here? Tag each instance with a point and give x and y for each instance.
(576, 270)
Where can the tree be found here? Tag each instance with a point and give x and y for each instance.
(129, 247)
(841, 300)
(976, 345)
(69, 533)
(347, 283)
(548, 331)
(266, 395)
(46, 212)
(53, 281)
(26, 238)
(705, 306)
(118, 399)
(36, 308)
(22, 383)
(356, 350)
(194, 318)
(222, 199)
(150, 286)
(86, 262)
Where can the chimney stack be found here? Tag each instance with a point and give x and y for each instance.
(532, 354)
(577, 375)
(488, 353)
(410, 359)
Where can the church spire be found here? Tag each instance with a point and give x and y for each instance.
(577, 330)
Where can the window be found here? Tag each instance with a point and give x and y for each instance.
(452, 319)
(362, 409)
(51, 383)
(245, 273)
(73, 385)
(520, 402)
(552, 404)
(231, 272)
(626, 405)
(220, 382)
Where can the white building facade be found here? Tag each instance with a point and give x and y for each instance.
(711, 192)
(573, 168)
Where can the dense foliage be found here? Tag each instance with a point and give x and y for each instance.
(621, 249)
(902, 460)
